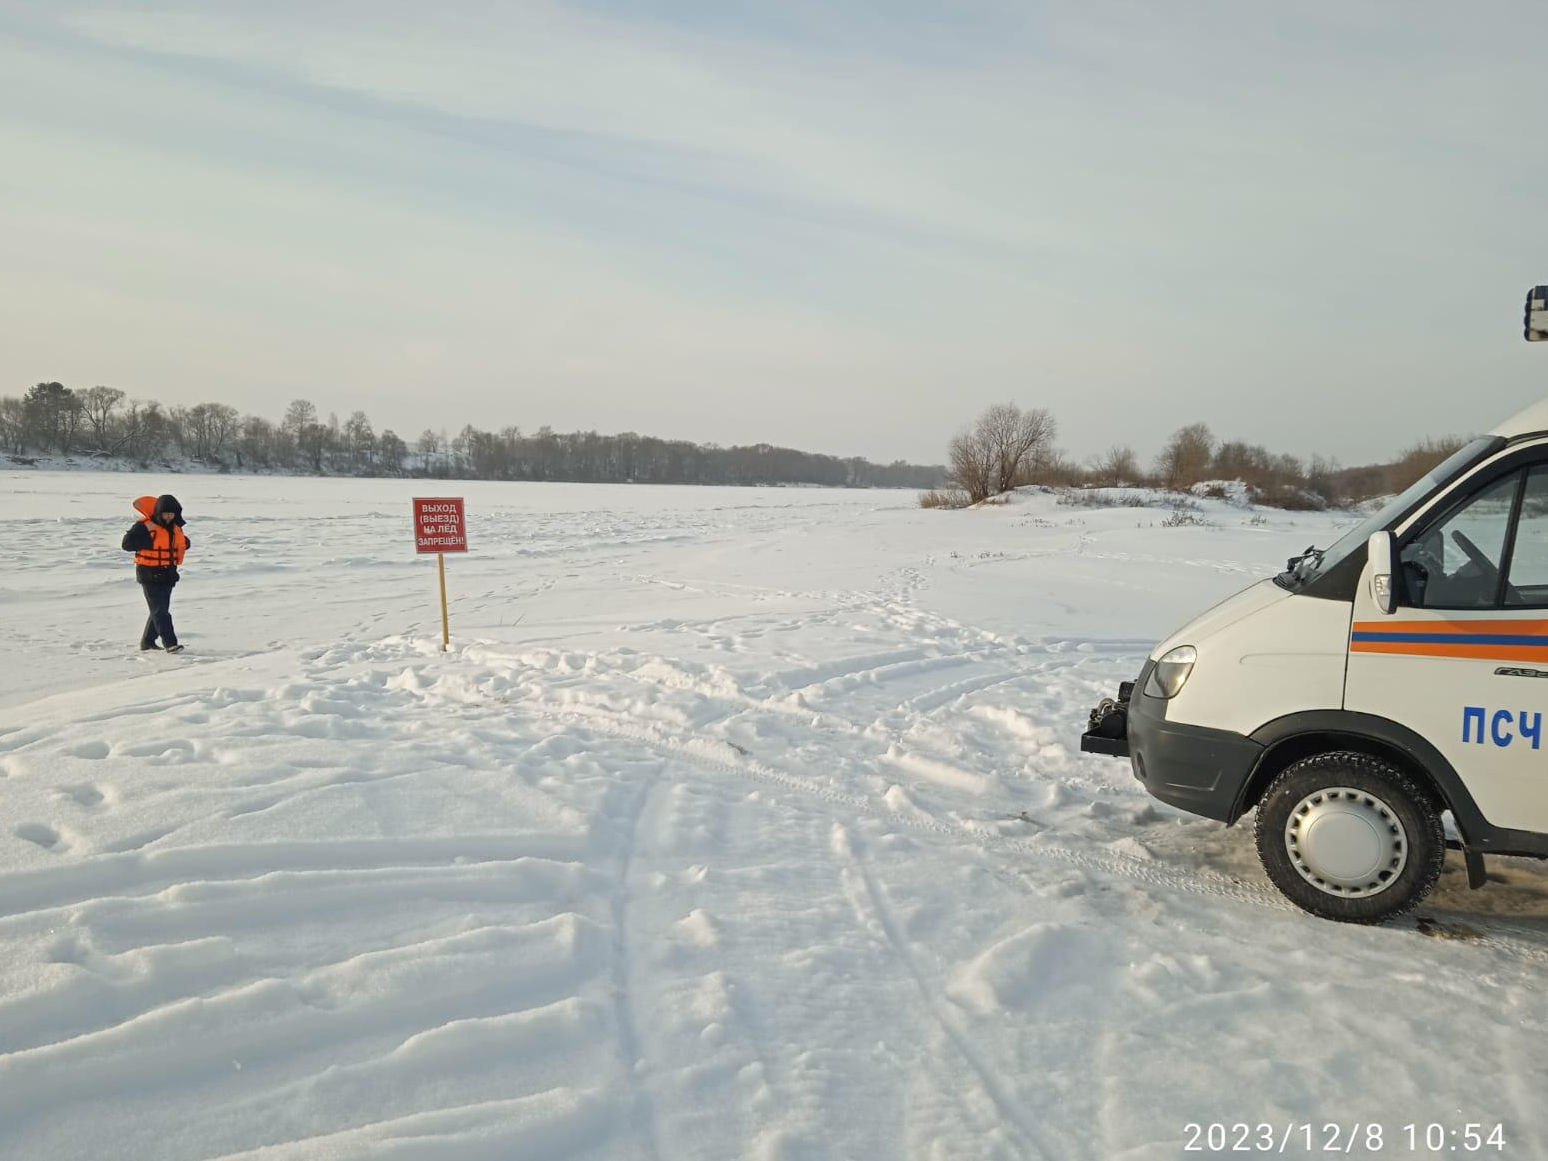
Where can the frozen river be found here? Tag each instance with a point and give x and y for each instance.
(736, 823)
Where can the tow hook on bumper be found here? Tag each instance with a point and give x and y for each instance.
(1108, 731)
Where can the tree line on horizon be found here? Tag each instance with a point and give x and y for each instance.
(104, 422)
(1009, 447)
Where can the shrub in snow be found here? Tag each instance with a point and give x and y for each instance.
(1290, 498)
(944, 498)
(1230, 491)
(1107, 498)
(1185, 515)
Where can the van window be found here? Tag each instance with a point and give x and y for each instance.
(1528, 578)
(1315, 568)
(1455, 563)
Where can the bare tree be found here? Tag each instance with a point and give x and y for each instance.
(359, 438)
(1000, 449)
(1186, 458)
(222, 422)
(392, 450)
(973, 465)
(255, 443)
(314, 440)
(204, 429)
(179, 423)
(301, 414)
(97, 406)
(146, 429)
(1052, 468)
(13, 425)
(1419, 459)
(1016, 439)
(1117, 467)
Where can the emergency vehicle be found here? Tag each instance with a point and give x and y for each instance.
(1374, 686)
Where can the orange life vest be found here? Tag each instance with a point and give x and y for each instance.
(167, 544)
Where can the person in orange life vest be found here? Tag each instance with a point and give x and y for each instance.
(158, 543)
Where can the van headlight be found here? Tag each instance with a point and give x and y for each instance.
(1172, 671)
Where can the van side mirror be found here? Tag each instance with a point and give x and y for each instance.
(1383, 589)
(1536, 321)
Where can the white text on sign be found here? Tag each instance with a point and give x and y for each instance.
(440, 524)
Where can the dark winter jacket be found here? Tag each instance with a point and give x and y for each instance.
(158, 548)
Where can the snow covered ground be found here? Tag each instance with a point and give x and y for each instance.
(736, 824)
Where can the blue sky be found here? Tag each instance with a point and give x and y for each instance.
(840, 226)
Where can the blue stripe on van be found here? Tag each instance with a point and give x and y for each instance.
(1452, 638)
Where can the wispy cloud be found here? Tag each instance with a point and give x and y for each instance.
(838, 225)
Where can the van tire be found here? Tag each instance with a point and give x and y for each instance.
(1421, 841)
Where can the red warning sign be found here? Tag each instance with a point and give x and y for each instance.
(440, 524)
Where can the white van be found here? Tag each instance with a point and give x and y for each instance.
(1371, 687)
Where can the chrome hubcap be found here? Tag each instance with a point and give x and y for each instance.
(1346, 842)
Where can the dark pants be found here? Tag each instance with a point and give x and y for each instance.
(159, 623)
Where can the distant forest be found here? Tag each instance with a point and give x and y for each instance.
(102, 422)
(1007, 447)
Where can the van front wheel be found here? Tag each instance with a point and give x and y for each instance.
(1350, 837)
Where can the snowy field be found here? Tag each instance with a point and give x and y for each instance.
(736, 824)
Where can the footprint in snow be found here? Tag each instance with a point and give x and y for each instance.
(68, 949)
(39, 835)
(84, 795)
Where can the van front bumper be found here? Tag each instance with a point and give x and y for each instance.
(1192, 768)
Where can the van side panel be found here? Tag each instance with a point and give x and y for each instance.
(1479, 708)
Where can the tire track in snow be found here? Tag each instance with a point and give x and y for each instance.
(1514, 940)
(706, 755)
(1522, 943)
(876, 675)
(936, 698)
(27, 892)
(142, 953)
(869, 903)
(845, 667)
(271, 1019)
(547, 1126)
(1502, 937)
(642, 1110)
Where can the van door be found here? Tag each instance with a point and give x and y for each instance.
(1464, 660)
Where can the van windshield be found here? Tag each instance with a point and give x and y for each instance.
(1317, 562)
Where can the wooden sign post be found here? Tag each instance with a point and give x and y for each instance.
(440, 526)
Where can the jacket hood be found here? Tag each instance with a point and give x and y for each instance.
(151, 507)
